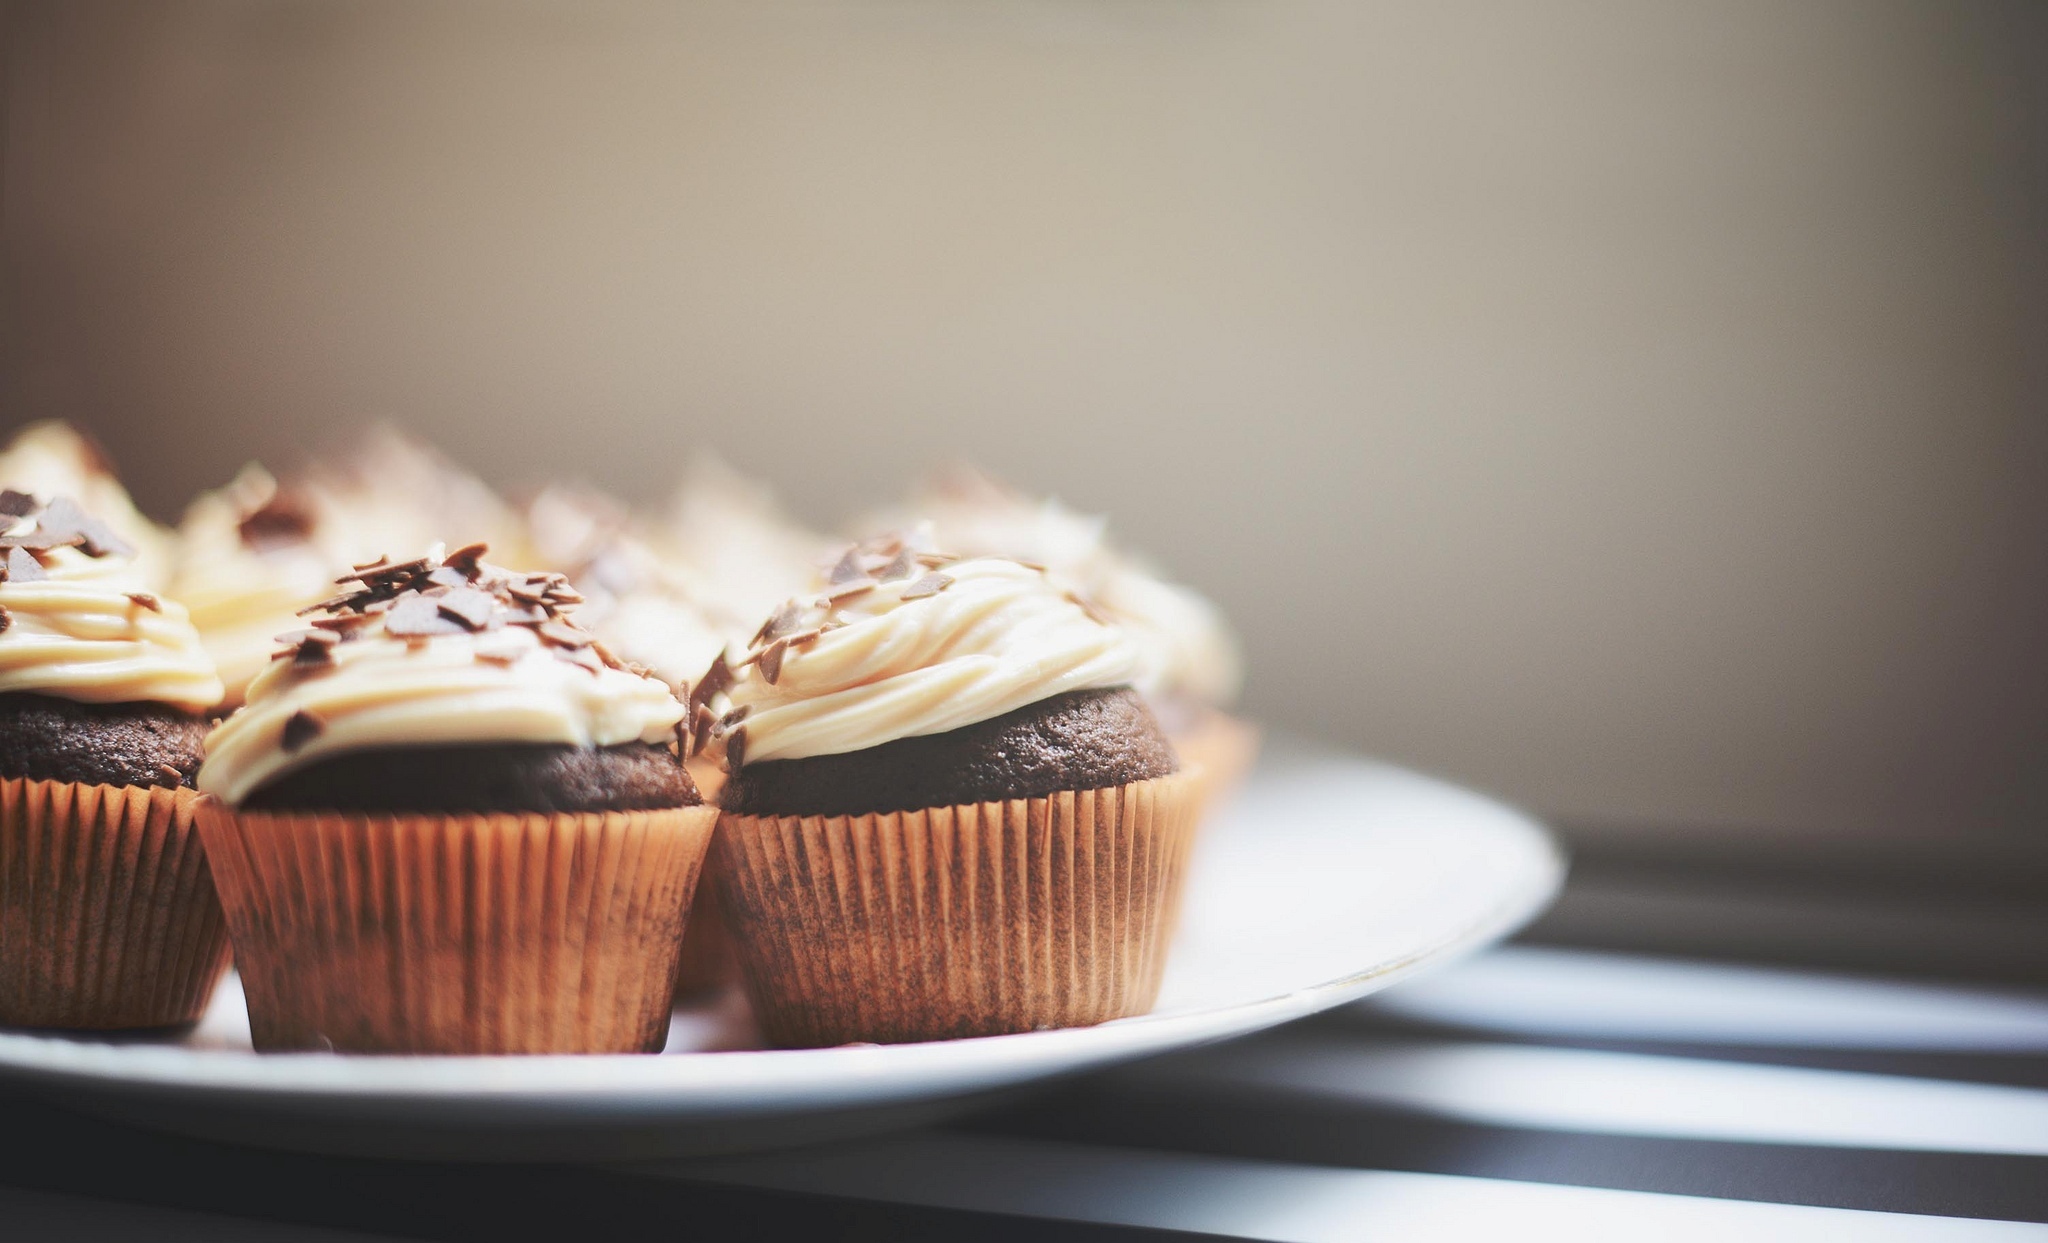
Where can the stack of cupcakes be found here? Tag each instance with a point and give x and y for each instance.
(107, 913)
(447, 812)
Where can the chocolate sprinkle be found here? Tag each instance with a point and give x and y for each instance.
(171, 776)
(143, 600)
(302, 728)
(419, 617)
(771, 660)
(929, 585)
(6, 620)
(562, 634)
(467, 605)
(903, 566)
(22, 567)
(848, 570)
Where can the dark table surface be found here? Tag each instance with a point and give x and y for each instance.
(1560, 1088)
(1532, 1091)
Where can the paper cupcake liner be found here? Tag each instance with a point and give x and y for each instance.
(1219, 750)
(485, 933)
(709, 961)
(970, 920)
(107, 911)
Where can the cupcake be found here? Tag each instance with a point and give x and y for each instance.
(655, 612)
(107, 912)
(52, 458)
(740, 551)
(448, 820)
(250, 556)
(948, 812)
(1190, 668)
(390, 492)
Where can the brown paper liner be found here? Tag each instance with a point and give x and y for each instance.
(1219, 750)
(107, 912)
(709, 961)
(486, 933)
(971, 920)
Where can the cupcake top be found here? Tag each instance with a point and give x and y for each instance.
(52, 458)
(741, 553)
(903, 642)
(78, 621)
(251, 555)
(437, 651)
(391, 492)
(1187, 649)
(644, 607)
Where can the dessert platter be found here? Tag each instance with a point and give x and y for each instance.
(562, 832)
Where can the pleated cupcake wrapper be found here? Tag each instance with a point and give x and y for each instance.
(1219, 749)
(709, 961)
(486, 933)
(970, 920)
(107, 911)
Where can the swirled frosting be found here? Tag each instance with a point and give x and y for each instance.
(435, 652)
(52, 458)
(643, 605)
(901, 644)
(1186, 647)
(78, 621)
(250, 556)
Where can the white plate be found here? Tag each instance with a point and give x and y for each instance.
(1329, 878)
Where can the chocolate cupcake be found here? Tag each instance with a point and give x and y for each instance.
(1189, 667)
(448, 820)
(107, 912)
(948, 813)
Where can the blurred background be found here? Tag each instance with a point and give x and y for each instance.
(1637, 410)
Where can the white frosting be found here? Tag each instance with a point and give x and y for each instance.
(734, 549)
(380, 691)
(1185, 645)
(644, 606)
(79, 634)
(999, 637)
(241, 597)
(52, 459)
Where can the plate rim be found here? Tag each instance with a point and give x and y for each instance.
(737, 1080)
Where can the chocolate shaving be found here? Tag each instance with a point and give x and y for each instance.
(467, 558)
(302, 728)
(62, 517)
(929, 585)
(22, 567)
(17, 504)
(848, 569)
(172, 776)
(562, 634)
(6, 620)
(448, 576)
(716, 679)
(853, 592)
(469, 606)
(701, 723)
(143, 600)
(736, 748)
(310, 647)
(771, 660)
(280, 522)
(903, 566)
(419, 617)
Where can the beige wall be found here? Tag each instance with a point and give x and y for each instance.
(1638, 409)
